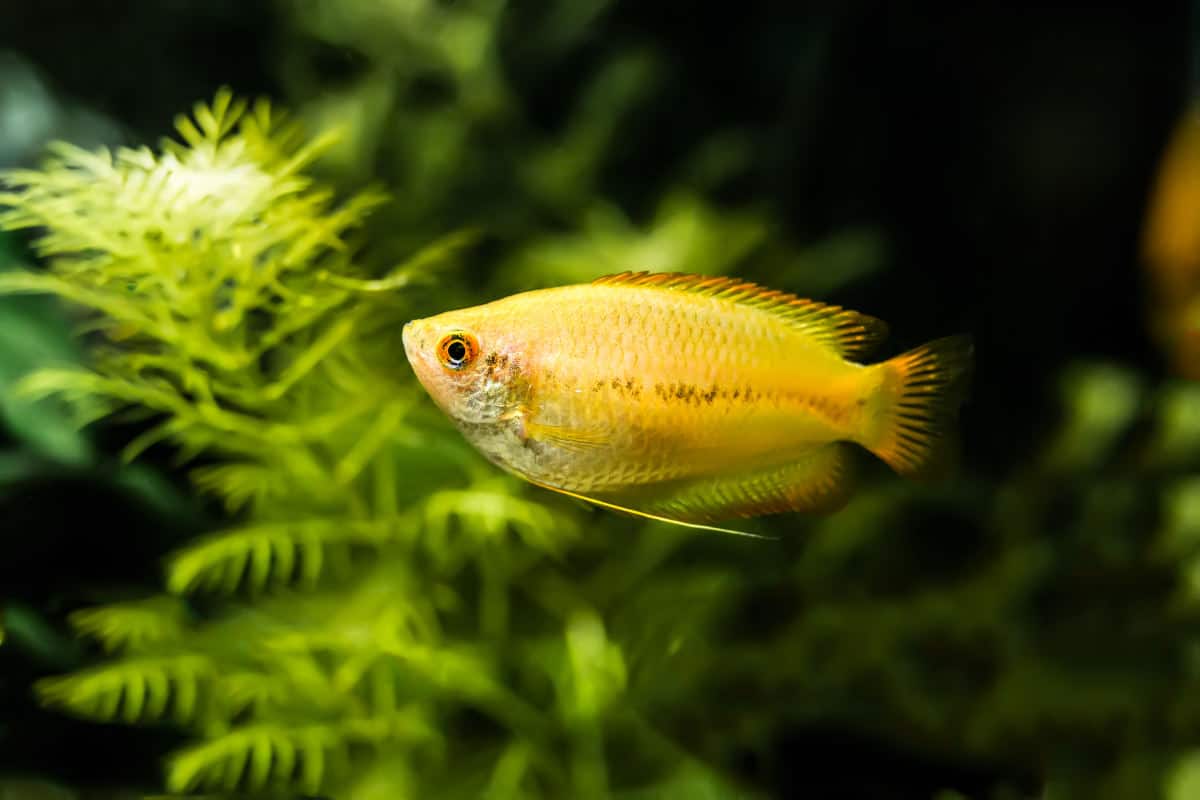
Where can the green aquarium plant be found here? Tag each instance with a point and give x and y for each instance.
(383, 615)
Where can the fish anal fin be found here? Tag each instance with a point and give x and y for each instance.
(818, 481)
(645, 514)
(849, 333)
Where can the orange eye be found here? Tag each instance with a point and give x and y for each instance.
(457, 350)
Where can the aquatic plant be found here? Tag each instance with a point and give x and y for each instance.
(371, 566)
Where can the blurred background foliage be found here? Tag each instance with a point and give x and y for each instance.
(304, 584)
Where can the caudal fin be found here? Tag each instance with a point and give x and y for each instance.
(918, 403)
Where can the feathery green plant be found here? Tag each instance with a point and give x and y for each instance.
(224, 308)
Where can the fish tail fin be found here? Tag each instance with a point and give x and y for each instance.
(916, 407)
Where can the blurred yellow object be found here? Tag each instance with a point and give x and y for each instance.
(1171, 248)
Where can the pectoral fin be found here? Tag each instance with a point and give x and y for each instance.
(646, 515)
(572, 439)
(575, 440)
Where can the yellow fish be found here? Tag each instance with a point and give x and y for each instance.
(1171, 248)
(685, 398)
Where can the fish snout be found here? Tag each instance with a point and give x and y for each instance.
(410, 335)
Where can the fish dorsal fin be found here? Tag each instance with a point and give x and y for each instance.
(849, 333)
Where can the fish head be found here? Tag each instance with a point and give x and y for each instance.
(470, 365)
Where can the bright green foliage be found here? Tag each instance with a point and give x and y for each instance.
(276, 756)
(226, 311)
(295, 551)
(136, 689)
(135, 626)
(227, 251)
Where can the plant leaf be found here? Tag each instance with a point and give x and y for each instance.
(133, 690)
(257, 556)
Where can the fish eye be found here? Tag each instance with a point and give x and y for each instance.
(457, 350)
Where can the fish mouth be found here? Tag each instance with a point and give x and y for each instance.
(412, 344)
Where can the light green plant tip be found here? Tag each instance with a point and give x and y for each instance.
(202, 263)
